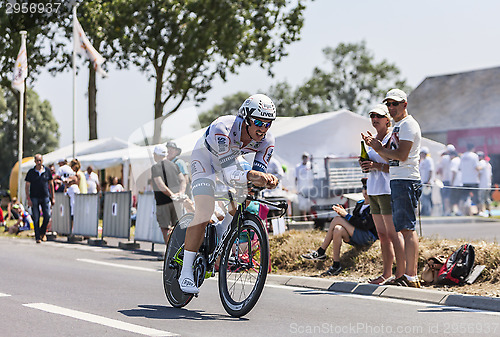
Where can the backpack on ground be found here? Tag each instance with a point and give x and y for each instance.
(458, 266)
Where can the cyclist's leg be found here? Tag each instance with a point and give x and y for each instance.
(203, 192)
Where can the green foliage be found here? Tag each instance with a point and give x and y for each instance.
(229, 106)
(355, 81)
(41, 133)
(43, 41)
(184, 45)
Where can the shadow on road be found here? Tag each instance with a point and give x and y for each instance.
(164, 312)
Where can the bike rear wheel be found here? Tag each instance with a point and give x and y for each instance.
(243, 267)
(172, 264)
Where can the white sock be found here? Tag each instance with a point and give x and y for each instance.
(223, 225)
(187, 265)
(411, 278)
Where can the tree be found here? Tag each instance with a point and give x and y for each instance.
(229, 106)
(41, 133)
(184, 45)
(355, 81)
(43, 43)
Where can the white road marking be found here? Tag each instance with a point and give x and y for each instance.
(113, 323)
(109, 264)
(4, 295)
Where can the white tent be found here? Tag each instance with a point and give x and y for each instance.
(81, 149)
(335, 134)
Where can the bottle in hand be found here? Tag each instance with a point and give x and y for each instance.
(364, 155)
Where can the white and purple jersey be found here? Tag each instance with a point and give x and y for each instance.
(218, 150)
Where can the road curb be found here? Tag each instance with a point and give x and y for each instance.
(402, 293)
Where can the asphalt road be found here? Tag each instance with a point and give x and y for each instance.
(461, 228)
(61, 289)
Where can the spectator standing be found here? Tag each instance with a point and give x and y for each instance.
(457, 192)
(82, 181)
(92, 181)
(445, 174)
(167, 181)
(485, 173)
(40, 194)
(357, 230)
(426, 168)
(173, 153)
(304, 182)
(115, 185)
(403, 154)
(379, 192)
(63, 173)
(72, 189)
(470, 176)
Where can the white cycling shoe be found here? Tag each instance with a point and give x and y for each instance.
(188, 286)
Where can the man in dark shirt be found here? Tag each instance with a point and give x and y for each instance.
(39, 193)
(167, 181)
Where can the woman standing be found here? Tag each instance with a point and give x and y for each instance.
(379, 192)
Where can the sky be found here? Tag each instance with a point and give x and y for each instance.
(422, 38)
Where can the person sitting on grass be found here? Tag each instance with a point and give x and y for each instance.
(23, 223)
(357, 230)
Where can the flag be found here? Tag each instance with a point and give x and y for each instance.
(20, 68)
(83, 47)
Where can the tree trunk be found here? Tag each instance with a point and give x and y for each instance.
(92, 103)
(158, 108)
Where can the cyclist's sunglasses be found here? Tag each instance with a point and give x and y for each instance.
(260, 123)
(393, 103)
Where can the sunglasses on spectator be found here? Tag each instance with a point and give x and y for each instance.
(260, 123)
(393, 103)
(377, 116)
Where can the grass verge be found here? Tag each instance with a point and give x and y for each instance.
(362, 264)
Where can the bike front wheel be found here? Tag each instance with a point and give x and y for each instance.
(243, 267)
(172, 264)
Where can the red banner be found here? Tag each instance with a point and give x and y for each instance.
(484, 139)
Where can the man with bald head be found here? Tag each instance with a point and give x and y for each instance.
(39, 194)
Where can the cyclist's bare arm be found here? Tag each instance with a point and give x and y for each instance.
(262, 179)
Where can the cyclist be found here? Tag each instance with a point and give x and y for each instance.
(215, 155)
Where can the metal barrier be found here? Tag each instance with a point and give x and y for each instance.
(146, 226)
(116, 218)
(86, 215)
(61, 221)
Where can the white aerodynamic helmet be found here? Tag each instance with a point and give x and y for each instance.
(258, 106)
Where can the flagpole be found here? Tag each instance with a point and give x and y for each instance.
(74, 81)
(21, 128)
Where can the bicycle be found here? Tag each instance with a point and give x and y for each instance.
(244, 262)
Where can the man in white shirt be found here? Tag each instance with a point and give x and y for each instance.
(445, 173)
(63, 173)
(304, 182)
(470, 175)
(92, 180)
(485, 174)
(426, 168)
(456, 195)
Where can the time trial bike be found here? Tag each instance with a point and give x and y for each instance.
(243, 251)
